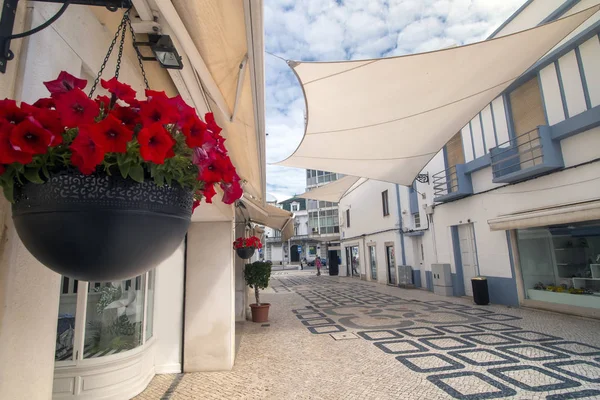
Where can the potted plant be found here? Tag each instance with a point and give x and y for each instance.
(257, 277)
(103, 189)
(245, 247)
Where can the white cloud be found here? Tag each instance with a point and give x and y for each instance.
(326, 30)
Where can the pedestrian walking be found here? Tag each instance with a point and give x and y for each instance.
(318, 265)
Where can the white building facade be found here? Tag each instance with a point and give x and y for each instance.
(513, 196)
(65, 339)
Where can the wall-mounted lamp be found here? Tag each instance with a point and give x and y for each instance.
(163, 49)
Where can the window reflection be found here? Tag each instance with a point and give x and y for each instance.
(65, 331)
(114, 317)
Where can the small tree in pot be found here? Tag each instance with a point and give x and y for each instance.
(257, 277)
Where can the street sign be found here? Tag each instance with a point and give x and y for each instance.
(299, 249)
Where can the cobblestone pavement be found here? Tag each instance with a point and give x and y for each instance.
(340, 338)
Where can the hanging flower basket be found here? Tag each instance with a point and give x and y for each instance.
(104, 189)
(245, 252)
(245, 247)
(101, 228)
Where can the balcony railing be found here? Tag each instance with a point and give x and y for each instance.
(452, 183)
(525, 156)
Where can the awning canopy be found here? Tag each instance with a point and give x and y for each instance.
(220, 32)
(333, 191)
(564, 214)
(270, 216)
(385, 119)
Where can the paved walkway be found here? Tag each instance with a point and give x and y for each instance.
(340, 338)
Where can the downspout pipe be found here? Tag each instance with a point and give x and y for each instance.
(400, 225)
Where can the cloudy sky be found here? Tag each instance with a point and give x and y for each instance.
(328, 30)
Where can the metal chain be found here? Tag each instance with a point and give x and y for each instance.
(123, 33)
(110, 49)
(138, 55)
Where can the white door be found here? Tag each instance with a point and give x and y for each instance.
(468, 255)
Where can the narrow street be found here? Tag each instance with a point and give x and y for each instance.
(341, 338)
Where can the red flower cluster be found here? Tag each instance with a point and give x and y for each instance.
(117, 125)
(252, 241)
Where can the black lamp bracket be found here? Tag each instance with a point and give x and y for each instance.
(423, 178)
(9, 11)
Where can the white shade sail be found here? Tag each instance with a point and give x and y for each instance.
(333, 191)
(385, 119)
(270, 216)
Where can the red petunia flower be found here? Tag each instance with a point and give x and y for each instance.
(195, 132)
(45, 103)
(8, 154)
(126, 115)
(194, 206)
(209, 192)
(155, 94)
(47, 119)
(122, 91)
(87, 152)
(231, 191)
(112, 135)
(183, 109)
(64, 83)
(212, 124)
(10, 112)
(158, 110)
(209, 170)
(31, 138)
(103, 101)
(76, 109)
(155, 143)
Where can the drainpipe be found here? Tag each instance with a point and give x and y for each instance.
(400, 226)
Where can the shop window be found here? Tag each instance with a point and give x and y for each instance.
(561, 264)
(373, 262)
(114, 317)
(348, 218)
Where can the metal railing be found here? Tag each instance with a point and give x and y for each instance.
(518, 153)
(445, 182)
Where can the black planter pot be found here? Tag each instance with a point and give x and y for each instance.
(245, 252)
(98, 227)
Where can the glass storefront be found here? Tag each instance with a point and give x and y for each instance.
(561, 264)
(373, 261)
(115, 320)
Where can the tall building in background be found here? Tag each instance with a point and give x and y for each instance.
(323, 219)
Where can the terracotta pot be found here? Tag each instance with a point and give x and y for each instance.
(260, 313)
(101, 228)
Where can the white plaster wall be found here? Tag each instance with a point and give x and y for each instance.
(552, 98)
(477, 137)
(569, 71)
(488, 128)
(500, 119)
(590, 56)
(366, 212)
(530, 16)
(210, 295)
(168, 313)
(482, 180)
(467, 143)
(568, 186)
(582, 147)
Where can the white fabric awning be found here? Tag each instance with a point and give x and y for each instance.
(270, 216)
(385, 119)
(564, 214)
(333, 191)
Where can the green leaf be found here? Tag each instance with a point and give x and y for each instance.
(159, 179)
(8, 188)
(124, 168)
(136, 172)
(33, 175)
(45, 171)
